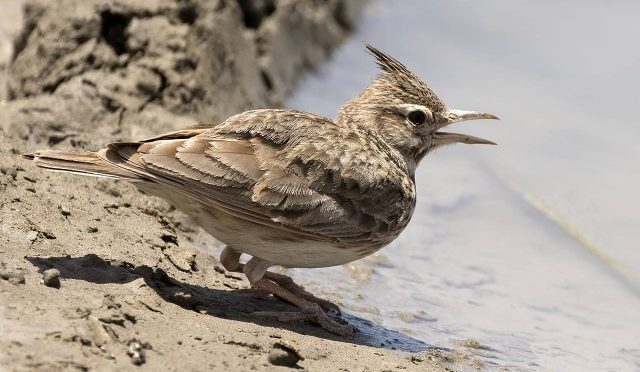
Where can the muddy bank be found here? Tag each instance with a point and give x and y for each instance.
(134, 283)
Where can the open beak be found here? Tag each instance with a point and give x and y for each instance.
(455, 116)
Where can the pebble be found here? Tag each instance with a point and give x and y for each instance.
(284, 355)
(32, 236)
(64, 210)
(51, 278)
(136, 352)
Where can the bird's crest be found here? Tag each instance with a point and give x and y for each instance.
(406, 84)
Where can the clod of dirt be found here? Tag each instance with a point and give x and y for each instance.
(51, 278)
(12, 276)
(282, 354)
(48, 234)
(136, 352)
(32, 236)
(64, 210)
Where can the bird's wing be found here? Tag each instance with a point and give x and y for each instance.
(271, 167)
(188, 132)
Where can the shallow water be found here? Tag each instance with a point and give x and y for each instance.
(528, 248)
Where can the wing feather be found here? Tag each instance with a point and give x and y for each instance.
(260, 166)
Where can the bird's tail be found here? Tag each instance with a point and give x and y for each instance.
(85, 163)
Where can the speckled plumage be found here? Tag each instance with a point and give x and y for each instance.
(292, 188)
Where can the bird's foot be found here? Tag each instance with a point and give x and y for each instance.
(291, 286)
(315, 314)
(309, 310)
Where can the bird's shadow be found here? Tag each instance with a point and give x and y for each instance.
(229, 304)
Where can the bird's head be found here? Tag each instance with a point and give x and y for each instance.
(406, 113)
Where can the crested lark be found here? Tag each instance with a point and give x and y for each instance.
(292, 188)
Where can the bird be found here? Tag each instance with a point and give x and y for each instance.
(290, 188)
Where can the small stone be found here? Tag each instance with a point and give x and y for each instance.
(415, 359)
(284, 355)
(137, 357)
(64, 210)
(32, 236)
(136, 352)
(48, 234)
(51, 278)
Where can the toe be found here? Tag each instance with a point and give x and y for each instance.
(329, 306)
(327, 323)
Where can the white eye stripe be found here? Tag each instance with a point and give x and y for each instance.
(408, 107)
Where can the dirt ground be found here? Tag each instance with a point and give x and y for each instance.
(135, 284)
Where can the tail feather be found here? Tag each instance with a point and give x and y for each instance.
(117, 160)
(86, 163)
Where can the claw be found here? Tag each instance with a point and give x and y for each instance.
(286, 289)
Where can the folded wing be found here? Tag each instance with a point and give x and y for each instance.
(263, 167)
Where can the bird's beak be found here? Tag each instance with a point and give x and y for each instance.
(461, 115)
(455, 116)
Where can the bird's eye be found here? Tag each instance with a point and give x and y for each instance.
(417, 117)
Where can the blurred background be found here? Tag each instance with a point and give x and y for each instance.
(530, 247)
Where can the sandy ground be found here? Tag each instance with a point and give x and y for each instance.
(138, 286)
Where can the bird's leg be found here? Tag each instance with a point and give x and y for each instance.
(230, 259)
(255, 270)
(310, 311)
